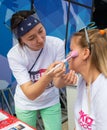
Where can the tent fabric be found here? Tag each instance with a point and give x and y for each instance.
(53, 14)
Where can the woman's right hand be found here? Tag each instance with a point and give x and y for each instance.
(58, 71)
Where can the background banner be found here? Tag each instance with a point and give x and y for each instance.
(64, 17)
(61, 18)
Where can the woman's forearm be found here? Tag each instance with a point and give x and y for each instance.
(33, 90)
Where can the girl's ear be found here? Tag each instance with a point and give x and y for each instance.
(86, 53)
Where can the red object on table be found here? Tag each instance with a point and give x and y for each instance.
(9, 121)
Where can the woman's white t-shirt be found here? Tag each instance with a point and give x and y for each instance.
(21, 60)
(93, 115)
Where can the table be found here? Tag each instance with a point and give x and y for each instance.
(9, 122)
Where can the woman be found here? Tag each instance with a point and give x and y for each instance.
(29, 60)
(91, 63)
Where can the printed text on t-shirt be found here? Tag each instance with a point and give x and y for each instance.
(85, 121)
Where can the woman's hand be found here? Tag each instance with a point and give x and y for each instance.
(70, 78)
(56, 69)
(59, 75)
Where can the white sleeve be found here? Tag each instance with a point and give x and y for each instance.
(60, 50)
(18, 65)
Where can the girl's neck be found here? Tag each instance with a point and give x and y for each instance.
(91, 75)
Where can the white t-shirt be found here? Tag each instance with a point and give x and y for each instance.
(96, 117)
(21, 60)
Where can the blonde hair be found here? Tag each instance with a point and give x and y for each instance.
(98, 42)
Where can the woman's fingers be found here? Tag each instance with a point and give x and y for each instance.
(70, 78)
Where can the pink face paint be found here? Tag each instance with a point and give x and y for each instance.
(72, 55)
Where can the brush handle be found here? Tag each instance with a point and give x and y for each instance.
(64, 61)
(73, 54)
(53, 68)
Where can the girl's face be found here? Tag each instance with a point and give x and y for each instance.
(35, 38)
(76, 63)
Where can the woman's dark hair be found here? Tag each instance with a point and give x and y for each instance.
(18, 17)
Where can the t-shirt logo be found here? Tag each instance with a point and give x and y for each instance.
(35, 75)
(85, 121)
